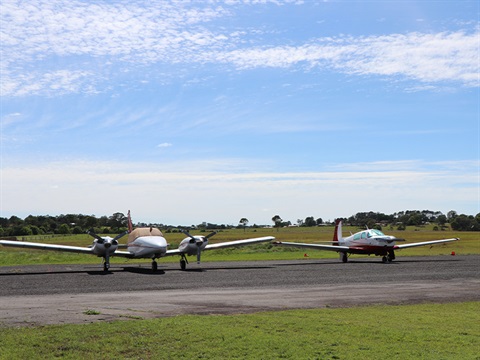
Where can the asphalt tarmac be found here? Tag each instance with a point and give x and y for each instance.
(58, 294)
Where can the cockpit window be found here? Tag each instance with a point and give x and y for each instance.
(377, 232)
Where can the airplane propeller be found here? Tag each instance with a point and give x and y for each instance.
(101, 240)
(107, 243)
(199, 240)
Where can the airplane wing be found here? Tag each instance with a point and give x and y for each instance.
(227, 244)
(238, 243)
(66, 248)
(314, 246)
(41, 246)
(124, 254)
(433, 242)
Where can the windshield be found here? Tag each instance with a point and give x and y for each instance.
(377, 232)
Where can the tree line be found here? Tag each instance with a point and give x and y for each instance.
(117, 222)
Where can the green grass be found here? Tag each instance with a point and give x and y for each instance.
(427, 331)
(469, 244)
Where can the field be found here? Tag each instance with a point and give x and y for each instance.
(469, 244)
(429, 331)
(425, 331)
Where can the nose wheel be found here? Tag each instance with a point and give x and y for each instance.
(106, 263)
(183, 262)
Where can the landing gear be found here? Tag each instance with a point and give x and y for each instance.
(183, 262)
(391, 255)
(343, 257)
(106, 263)
(154, 265)
(388, 258)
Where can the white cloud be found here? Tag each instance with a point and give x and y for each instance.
(195, 192)
(422, 57)
(164, 145)
(76, 46)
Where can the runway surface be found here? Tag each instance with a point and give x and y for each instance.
(57, 294)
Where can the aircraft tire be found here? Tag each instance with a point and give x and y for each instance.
(183, 264)
(154, 266)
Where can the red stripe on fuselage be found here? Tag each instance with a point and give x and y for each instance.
(370, 249)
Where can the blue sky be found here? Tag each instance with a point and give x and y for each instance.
(192, 111)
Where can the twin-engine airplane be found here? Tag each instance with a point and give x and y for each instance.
(366, 242)
(143, 243)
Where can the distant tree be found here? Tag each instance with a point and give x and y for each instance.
(465, 223)
(15, 220)
(116, 221)
(415, 219)
(244, 222)
(319, 221)
(64, 229)
(22, 230)
(441, 220)
(89, 222)
(36, 230)
(310, 221)
(277, 220)
(77, 230)
(452, 214)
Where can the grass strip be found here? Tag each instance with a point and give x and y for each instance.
(426, 331)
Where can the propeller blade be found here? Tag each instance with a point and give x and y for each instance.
(210, 235)
(188, 234)
(119, 236)
(99, 238)
(198, 254)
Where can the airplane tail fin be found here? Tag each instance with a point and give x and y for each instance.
(130, 226)
(337, 235)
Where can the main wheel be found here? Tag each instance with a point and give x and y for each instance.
(183, 264)
(344, 257)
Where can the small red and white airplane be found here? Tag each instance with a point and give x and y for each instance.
(368, 242)
(143, 243)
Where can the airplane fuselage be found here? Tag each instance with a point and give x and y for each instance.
(370, 241)
(148, 247)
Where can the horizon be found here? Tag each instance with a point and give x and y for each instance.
(230, 109)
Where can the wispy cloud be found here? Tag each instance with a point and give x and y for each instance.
(422, 57)
(341, 191)
(58, 47)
